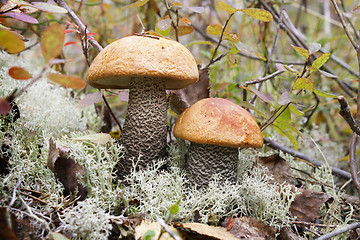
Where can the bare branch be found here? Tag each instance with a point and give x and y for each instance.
(347, 115)
(339, 231)
(336, 171)
(353, 163)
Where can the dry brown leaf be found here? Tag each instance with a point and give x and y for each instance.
(8, 224)
(206, 231)
(287, 234)
(306, 205)
(147, 225)
(66, 170)
(184, 98)
(250, 228)
(279, 168)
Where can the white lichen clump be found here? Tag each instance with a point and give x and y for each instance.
(87, 220)
(45, 106)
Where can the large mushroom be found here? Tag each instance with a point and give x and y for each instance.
(216, 129)
(146, 65)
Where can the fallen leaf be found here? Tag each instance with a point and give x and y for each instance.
(146, 226)
(279, 168)
(8, 224)
(287, 234)
(306, 206)
(66, 170)
(204, 230)
(250, 228)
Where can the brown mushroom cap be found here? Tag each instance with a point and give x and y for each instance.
(218, 121)
(140, 56)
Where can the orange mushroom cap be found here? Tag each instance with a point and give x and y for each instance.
(218, 121)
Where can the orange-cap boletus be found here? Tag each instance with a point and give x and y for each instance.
(146, 65)
(216, 129)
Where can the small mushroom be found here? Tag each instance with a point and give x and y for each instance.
(216, 129)
(146, 65)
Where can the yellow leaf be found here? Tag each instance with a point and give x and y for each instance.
(302, 51)
(214, 29)
(138, 3)
(52, 41)
(226, 7)
(184, 30)
(304, 83)
(73, 82)
(11, 42)
(259, 14)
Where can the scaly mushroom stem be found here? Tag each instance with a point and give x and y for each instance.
(205, 160)
(145, 126)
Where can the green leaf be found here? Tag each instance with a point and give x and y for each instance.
(163, 27)
(149, 235)
(214, 29)
(295, 110)
(304, 83)
(19, 73)
(281, 129)
(301, 51)
(226, 7)
(321, 60)
(138, 3)
(174, 209)
(11, 42)
(73, 82)
(47, 7)
(322, 94)
(164, 24)
(259, 14)
(52, 41)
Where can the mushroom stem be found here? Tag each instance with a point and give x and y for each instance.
(144, 131)
(204, 160)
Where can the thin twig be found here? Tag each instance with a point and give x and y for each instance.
(220, 40)
(274, 145)
(351, 39)
(166, 227)
(353, 163)
(173, 24)
(339, 231)
(347, 115)
(270, 76)
(14, 193)
(111, 112)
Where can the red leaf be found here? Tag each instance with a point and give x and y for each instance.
(69, 43)
(19, 73)
(72, 24)
(69, 30)
(91, 33)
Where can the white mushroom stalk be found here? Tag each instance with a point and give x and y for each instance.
(216, 129)
(148, 66)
